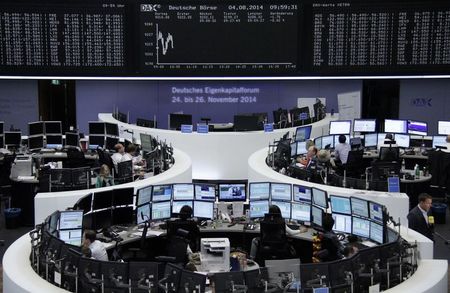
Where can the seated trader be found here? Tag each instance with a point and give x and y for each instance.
(332, 248)
(117, 156)
(185, 222)
(97, 248)
(309, 160)
(342, 149)
(273, 210)
(104, 177)
(388, 142)
(419, 217)
(130, 155)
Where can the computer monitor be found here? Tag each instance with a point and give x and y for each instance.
(203, 209)
(361, 227)
(319, 197)
(389, 154)
(183, 191)
(293, 149)
(382, 138)
(302, 193)
(417, 127)
(355, 142)
(259, 191)
(178, 204)
(328, 141)
(370, 140)
(340, 205)
(53, 127)
(146, 142)
(281, 191)
(303, 133)
(102, 219)
(123, 196)
(364, 125)
(122, 215)
(395, 126)
(205, 191)
(402, 140)
(439, 141)
(443, 127)
(72, 139)
(84, 203)
(360, 207)
(342, 223)
(122, 117)
(376, 232)
(1, 127)
(71, 220)
(96, 127)
(143, 213)
(35, 128)
(336, 139)
(72, 237)
(285, 208)
(110, 142)
(300, 148)
(316, 215)
(258, 208)
(247, 123)
(144, 195)
(318, 142)
(376, 212)
(176, 120)
(13, 138)
(232, 192)
(96, 141)
(161, 193)
(102, 200)
(145, 123)
(301, 211)
(340, 127)
(111, 129)
(161, 210)
(35, 142)
(54, 141)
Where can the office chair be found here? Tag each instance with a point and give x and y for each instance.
(354, 166)
(389, 154)
(75, 158)
(188, 225)
(104, 158)
(124, 172)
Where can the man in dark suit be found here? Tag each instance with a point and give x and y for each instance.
(420, 219)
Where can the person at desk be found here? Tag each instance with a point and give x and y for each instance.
(104, 177)
(97, 248)
(185, 222)
(130, 156)
(309, 160)
(342, 149)
(420, 219)
(117, 156)
(332, 248)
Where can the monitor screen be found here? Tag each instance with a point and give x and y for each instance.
(53, 127)
(364, 125)
(161, 210)
(316, 215)
(381, 138)
(302, 193)
(205, 192)
(102, 200)
(72, 237)
(319, 197)
(376, 232)
(342, 223)
(111, 142)
(281, 191)
(395, 126)
(340, 205)
(112, 129)
(1, 127)
(35, 142)
(96, 141)
(96, 128)
(144, 195)
(443, 127)
(123, 196)
(303, 133)
(376, 211)
(71, 220)
(246, 123)
(300, 148)
(204, 209)
(360, 227)
(360, 207)
(402, 140)
(36, 128)
(258, 208)
(183, 192)
(232, 192)
(336, 139)
(318, 142)
(143, 213)
(417, 127)
(72, 139)
(146, 142)
(177, 205)
(328, 141)
(439, 141)
(285, 208)
(340, 127)
(259, 191)
(54, 141)
(301, 211)
(293, 149)
(162, 193)
(176, 120)
(370, 140)
(13, 138)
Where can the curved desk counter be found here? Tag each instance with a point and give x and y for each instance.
(218, 155)
(46, 203)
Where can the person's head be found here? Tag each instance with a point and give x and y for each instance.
(323, 156)
(448, 139)
(119, 148)
(89, 236)
(350, 250)
(104, 170)
(131, 148)
(86, 252)
(309, 143)
(274, 209)
(185, 212)
(342, 138)
(327, 222)
(312, 151)
(425, 201)
(389, 136)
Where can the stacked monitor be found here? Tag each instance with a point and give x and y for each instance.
(70, 227)
(417, 127)
(340, 127)
(444, 127)
(303, 133)
(395, 126)
(103, 134)
(364, 125)
(45, 134)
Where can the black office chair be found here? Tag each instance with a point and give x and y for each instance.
(389, 154)
(124, 172)
(354, 167)
(104, 158)
(75, 158)
(191, 226)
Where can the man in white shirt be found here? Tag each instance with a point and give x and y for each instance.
(117, 156)
(342, 149)
(97, 248)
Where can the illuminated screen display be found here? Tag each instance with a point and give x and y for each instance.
(144, 195)
(205, 192)
(376, 232)
(302, 193)
(364, 125)
(259, 191)
(285, 208)
(443, 127)
(361, 227)
(342, 223)
(395, 126)
(319, 197)
(161, 210)
(143, 213)
(280, 191)
(402, 140)
(72, 237)
(177, 205)
(161, 193)
(183, 192)
(340, 127)
(376, 212)
(370, 140)
(316, 215)
(203, 209)
(301, 212)
(359, 207)
(232, 192)
(417, 127)
(71, 220)
(340, 205)
(259, 208)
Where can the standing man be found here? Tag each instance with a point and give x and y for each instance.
(342, 149)
(420, 219)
